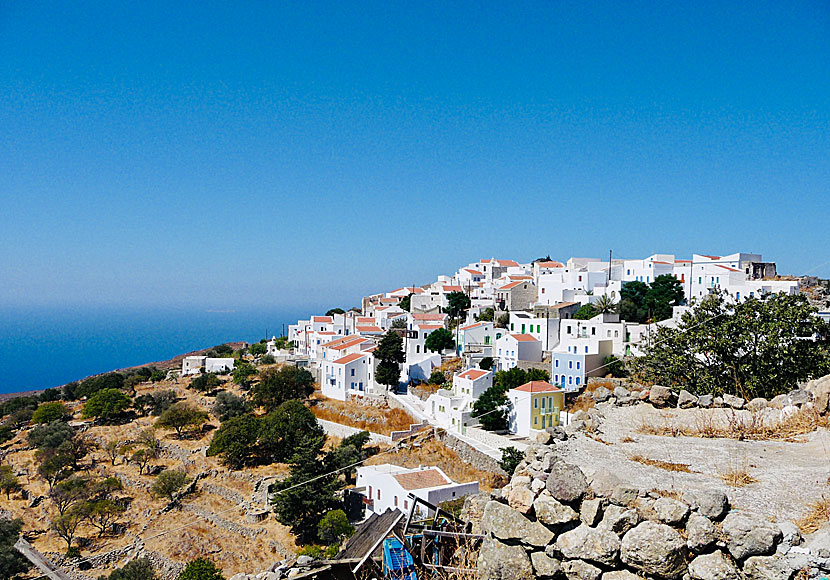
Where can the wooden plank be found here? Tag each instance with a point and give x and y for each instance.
(42, 562)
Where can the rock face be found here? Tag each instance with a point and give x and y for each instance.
(768, 568)
(566, 482)
(544, 566)
(655, 549)
(497, 561)
(579, 570)
(749, 535)
(506, 523)
(592, 544)
(714, 566)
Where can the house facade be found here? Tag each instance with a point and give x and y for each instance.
(534, 406)
(511, 348)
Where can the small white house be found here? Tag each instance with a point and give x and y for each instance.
(511, 348)
(347, 376)
(193, 365)
(472, 383)
(390, 486)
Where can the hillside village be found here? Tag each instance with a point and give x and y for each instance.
(462, 392)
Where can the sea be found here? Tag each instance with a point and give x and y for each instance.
(42, 347)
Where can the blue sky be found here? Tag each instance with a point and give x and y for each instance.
(221, 154)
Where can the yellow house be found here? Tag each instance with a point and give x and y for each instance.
(534, 407)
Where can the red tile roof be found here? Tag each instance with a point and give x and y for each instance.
(453, 289)
(473, 374)
(682, 261)
(349, 358)
(711, 257)
(512, 285)
(474, 325)
(322, 319)
(365, 320)
(505, 263)
(421, 479)
(429, 316)
(727, 268)
(658, 262)
(430, 326)
(524, 337)
(369, 328)
(349, 342)
(551, 265)
(474, 272)
(538, 387)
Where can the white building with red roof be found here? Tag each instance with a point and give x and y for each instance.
(512, 348)
(534, 406)
(477, 336)
(393, 487)
(351, 375)
(471, 383)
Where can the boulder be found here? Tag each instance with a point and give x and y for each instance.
(700, 533)
(619, 519)
(655, 549)
(714, 566)
(506, 523)
(686, 400)
(557, 433)
(603, 482)
(497, 561)
(521, 499)
(705, 401)
(621, 393)
(579, 570)
(661, 396)
(620, 575)
(800, 397)
(733, 401)
(717, 402)
(544, 566)
(551, 512)
(820, 388)
(757, 404)
(712, 504)
(597, 545)
(591, 511)
(790, 534)
(772, 567)
(749, 535)
(542, 437)
(779, 401)
(304, 560)
(670, 511)
(601, 395)
(624, 495)
(566, 482)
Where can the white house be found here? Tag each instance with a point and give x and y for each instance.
(448, 409)
(544, 329)
(390, 486)
(571, 369)
(511, 348)
(193, 365)
(472, 383)
(534, 406)
(347, 376)
(477, 335)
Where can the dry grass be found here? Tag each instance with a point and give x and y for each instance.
(450, 366)
(582, 403)
(737, 478)
(744, 426)
(670, 493)
(434, 453)
(818, 514)
(380, 419)
(667, 465)
(627, 439)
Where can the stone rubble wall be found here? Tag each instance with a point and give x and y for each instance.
(223, 523)
(467, 453)
(551, 522)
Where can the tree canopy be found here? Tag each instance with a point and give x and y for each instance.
(280, 384)
(406, 302)
(106, 404)
(48, 412)
(390, 355)
(138, 569)
(333, 311)
(457, 304)
(641, 302)
(439, 340)
(201, 569)
(585, 312)
(12, 562)
(182, 417)
(759, 347)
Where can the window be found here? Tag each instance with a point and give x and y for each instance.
(352, 372)
(586, 349)
(577, 380)
(570, 364)
(543, 290)
(570, 382)
(535, 403)
(417, 348)
(738, 295)
(593, 330)
(405, 504)
(535, 420)
(556, 363)
(378, 494)
(577, 365)
(370, 492)
(543, 402)
(616, 334)
(568, 329)
(396, 501)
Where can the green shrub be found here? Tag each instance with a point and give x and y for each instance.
(201, 569)
(48, 412)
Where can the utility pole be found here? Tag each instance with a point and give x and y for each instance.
(608, 278)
